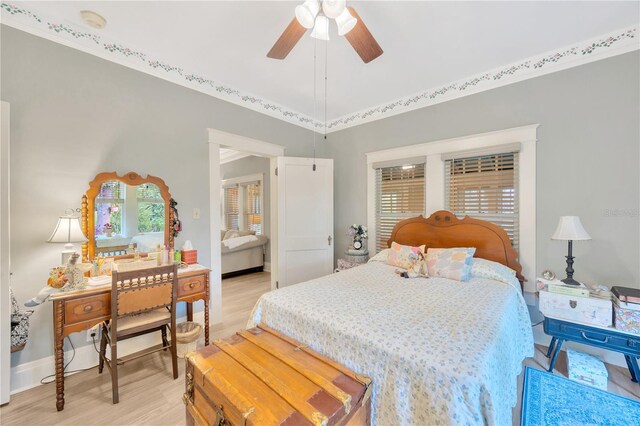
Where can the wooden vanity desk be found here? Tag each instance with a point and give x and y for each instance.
(80, 310)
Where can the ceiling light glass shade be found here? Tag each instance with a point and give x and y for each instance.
(570, 228)
(306, 13)
(333, 8)
(321, 28)
(345, 22)
(67, 231)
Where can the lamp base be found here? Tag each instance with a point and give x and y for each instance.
(69, 249)
(570, 281)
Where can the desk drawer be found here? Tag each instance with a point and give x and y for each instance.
(595, 337)
(87, 308)
(190, 285)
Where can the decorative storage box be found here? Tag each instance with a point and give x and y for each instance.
(627, 320)
(587, 310)
(189, 256)
(586, 369)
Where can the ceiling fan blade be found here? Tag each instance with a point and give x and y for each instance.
(289, 38)
(362, 41)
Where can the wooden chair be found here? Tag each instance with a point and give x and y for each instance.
(142, 301)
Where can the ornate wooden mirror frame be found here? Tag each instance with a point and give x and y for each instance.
(88, 206)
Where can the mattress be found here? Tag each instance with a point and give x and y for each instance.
(438, 351)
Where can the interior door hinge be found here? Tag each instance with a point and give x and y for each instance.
(277, 284)
(276, 171)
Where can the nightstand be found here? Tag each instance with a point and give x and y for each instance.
(608, 338)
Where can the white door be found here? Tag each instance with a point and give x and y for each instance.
(5, 304)
(305, 219)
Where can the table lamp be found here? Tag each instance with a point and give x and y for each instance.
(67, 231)
(570, 229)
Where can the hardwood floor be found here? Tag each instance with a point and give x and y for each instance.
(148, 393)
(149, 396)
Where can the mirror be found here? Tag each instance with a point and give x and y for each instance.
(123, 211)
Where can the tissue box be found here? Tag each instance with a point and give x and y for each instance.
(189, 256)
(586, 369)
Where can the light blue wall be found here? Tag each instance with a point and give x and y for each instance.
(73, 116)
(588, 156)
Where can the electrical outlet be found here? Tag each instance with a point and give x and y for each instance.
(95, 332)
(196, 213)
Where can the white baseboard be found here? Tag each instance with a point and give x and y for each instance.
(267, 266)
(28, 375)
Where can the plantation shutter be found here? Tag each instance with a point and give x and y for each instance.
(253, 207)
(400, 194)
(231, 211)
(485, 186)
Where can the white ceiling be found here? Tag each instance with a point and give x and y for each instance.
(426, 44)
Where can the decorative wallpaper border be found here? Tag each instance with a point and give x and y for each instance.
(87, 41)
(615, 43)
(618, 42)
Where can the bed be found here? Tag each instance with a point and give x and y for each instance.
(438, 351)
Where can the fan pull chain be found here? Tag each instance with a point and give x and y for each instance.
(326, 62)
(315, 83)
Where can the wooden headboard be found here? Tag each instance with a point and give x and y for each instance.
(444, 230)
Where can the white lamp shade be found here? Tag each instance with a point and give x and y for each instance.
(306, 13)
(321, 28)
(67, 231)
(345, 22)
(570, 228)
(333, 8)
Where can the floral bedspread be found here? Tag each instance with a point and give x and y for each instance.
(438, 351)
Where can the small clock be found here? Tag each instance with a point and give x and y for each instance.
(357, 245)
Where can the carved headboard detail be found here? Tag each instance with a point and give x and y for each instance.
(444, 230)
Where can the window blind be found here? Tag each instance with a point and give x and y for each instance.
(400, 194)
(485, 187)
(231, 211)
(253, 207)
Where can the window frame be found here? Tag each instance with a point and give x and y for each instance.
(241, 183)
(435, 191)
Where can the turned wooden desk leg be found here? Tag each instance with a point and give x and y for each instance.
(58, 312)
(207, 293)
(206, 322)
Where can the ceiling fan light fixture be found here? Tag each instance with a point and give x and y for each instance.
(345, 22)
(306, 13)
(333, 8)
(321, 28)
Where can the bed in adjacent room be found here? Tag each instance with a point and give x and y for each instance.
(438, 351)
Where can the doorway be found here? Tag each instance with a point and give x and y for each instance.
(246, 147)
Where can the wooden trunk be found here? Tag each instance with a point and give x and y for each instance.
(261, 377)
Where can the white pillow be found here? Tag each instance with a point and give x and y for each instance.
(381, 256)
(231, 233)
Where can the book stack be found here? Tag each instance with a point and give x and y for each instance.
(558, 287)
(626, 303)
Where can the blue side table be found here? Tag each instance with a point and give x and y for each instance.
(607, 338)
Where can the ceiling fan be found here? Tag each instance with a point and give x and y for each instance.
(316, 14)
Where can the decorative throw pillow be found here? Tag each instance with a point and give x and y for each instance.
(231, 233)
(452, 263)
(403, 256)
